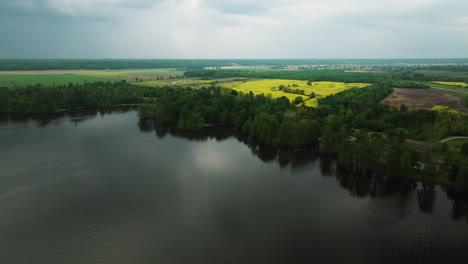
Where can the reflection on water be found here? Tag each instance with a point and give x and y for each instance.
(76, 116)
(267, 153)
(358, 185)
(96, 186)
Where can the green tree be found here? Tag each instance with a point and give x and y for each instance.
(464, 149)
(4, 99)
(298, 100)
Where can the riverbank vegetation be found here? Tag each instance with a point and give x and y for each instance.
(51, 99)
(366, 136)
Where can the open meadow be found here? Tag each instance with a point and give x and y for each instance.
(23, 80)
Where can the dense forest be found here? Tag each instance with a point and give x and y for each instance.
(96, 64)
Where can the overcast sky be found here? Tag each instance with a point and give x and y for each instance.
(233, 29)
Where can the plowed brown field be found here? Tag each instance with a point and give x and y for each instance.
(424, 99)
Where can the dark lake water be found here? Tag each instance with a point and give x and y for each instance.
(99, 188)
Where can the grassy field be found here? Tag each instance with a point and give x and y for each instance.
(131, 75)
(12, 81)
(271, 86)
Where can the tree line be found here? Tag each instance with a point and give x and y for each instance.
(50, 99)
(260, 117)
(398, 79)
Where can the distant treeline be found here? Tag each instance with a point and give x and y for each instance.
(331, 75)
(104, 64)
(313, 76)
(27, 65)
(443, 68)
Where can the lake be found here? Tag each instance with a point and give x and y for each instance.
(98, 187)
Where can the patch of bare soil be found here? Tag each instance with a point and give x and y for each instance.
(424, 99)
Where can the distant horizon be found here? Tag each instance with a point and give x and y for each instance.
(227, 58)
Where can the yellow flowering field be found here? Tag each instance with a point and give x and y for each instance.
(462, 84)
(271, 86)
(265, 86)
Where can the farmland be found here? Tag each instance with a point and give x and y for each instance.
(60, 77)
(22, 80)
(416, 99)
(453, 86)
(140, 75)
(460, 84)
(292, 88)
(272, 86)
(186, 82)
(265, 86)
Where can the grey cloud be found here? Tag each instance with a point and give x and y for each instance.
(241, 29)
